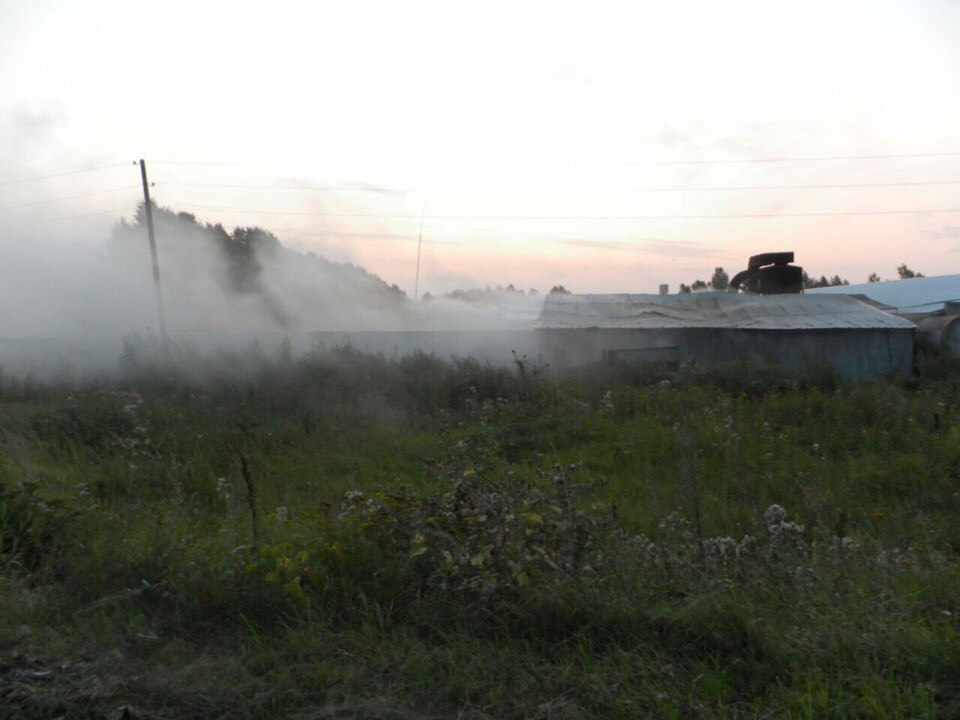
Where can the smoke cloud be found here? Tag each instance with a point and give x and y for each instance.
(71, 304)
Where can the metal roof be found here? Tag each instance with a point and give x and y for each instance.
(916, 295)
(715, 310)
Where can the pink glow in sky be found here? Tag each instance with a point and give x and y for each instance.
(493, 112)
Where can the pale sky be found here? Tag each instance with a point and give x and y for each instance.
(540, 135)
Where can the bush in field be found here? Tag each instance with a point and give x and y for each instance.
(94, 420)
(30, 527)
(483, 540)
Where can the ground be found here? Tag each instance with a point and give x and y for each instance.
(249, 536)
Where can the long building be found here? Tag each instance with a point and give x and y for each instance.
(801, 332)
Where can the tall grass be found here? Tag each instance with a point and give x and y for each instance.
(347, 535)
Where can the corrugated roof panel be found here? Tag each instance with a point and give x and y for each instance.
(715, 310)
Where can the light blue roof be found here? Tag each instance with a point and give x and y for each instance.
(916, 295)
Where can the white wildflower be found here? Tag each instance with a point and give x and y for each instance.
(774, 515)
(606, 403)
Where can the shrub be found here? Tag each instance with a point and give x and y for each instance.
(97, 420)
(484, 540)
(29, 526)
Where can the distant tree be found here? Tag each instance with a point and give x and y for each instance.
(906, 273)
(720, 279)
(873, 277)
(427, 297)
(243, 249)
(822, 281)
(238, 261)
(488, 295)
(476, 295)
(559, 290)
(533, 291)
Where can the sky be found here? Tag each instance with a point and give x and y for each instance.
(603, 146)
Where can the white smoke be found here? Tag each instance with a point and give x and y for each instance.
(71, 302)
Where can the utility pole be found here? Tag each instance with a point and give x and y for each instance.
(148, 212)
(416, 282)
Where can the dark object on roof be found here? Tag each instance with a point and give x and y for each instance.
(770, 274)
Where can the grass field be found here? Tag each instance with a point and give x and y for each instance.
(347, 536)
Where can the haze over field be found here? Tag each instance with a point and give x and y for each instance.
(542, 142)
(323, 474)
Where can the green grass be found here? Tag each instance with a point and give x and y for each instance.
(350, 536)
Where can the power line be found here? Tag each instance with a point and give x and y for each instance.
(569, 217)
(68, 197)
(572, 163)
(60, 219)
(335, 188)
(62, 174)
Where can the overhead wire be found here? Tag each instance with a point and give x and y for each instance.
(510, 217)
(61, 174)
(407, 216)
(571, 163)
(61, 219)
(336, 188)
(68, 197)
(391, 189)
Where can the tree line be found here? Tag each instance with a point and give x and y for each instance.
(721, 280)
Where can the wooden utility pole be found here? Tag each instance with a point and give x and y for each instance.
(148, 212)
(416, 282)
